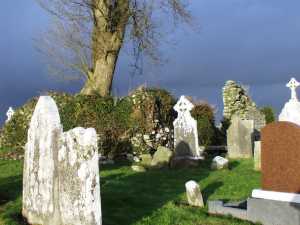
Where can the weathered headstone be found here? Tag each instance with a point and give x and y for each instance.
(39, 175)
(185, 131)
(61, 173)
(291, 110)
(240, 138)
(193, 193)
(257, 155)
(10, 112)
(78, 173)
(162, 157)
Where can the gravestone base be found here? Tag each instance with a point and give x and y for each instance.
(265, 207)
(185, 162)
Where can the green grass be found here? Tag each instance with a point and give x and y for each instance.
(153, 197)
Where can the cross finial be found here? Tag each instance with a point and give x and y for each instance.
(293, 84)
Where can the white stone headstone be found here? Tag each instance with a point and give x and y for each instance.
(61, 172)
(39, 166)
(10, 112)
(193, 194)
(291, 110)
(185, 130)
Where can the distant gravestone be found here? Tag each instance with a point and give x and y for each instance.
(257, 155)
(281, 157)
(185, 131)
(193, 194)
(61, 174)
(291, 110)
(240, 138)
(10, 112)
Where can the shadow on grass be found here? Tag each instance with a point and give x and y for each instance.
(10, 189)
(128, 199)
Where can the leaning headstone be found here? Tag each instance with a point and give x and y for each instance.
(61, 173)
(10, 112)
(185, 131)
(240, 138)
(219, 163)
(291, 110)
(193, 194)
(162, 157)
(257, 155)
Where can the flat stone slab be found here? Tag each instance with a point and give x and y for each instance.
(236, 210)
(270, 212)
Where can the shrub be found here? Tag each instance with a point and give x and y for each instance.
(204, 114)
(115, 120)
(269, 114)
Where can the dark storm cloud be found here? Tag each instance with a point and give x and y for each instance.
(254, 42)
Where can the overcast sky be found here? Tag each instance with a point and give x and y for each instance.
(253, 42)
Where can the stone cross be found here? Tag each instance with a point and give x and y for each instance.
(10, 112)
(183, 108)
(293, 84)
(185, 131)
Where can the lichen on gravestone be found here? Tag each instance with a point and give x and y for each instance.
(61, 173)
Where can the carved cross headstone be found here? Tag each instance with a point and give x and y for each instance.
(185, 130)
(10, 112)
(291, 109)
(293, 85)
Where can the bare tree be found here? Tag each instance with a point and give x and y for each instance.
(88, 34)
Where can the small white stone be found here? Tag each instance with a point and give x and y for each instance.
(193, 193)
(219, 163)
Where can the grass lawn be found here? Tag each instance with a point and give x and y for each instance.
(153, 197)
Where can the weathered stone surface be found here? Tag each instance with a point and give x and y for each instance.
(162, 157)
(237, 102)
(280, 155)
(61, 173)
(185, 130)
(193, 194)
(146, 159)
(219, 163)
(78, 172)
(138, 168)
(40, 175)
(240, 138)
(257, 155)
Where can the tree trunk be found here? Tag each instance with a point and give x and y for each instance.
(107, 39)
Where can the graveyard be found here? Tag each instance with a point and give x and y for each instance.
(58, 166)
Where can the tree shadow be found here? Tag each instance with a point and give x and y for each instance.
(233, 164)
(139, 195)
(10, 189)
(210, 190)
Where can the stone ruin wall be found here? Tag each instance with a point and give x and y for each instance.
(236, 101)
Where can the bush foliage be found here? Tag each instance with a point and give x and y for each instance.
(269, 114)
(138, 123)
